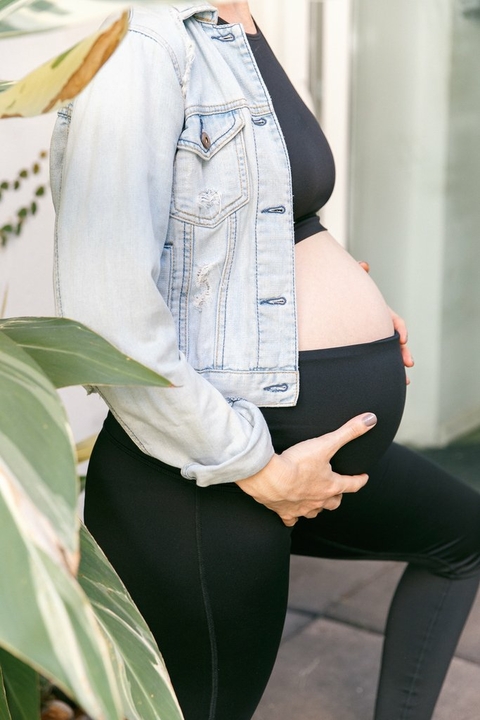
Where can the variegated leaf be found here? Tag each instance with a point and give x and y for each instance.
(47, 622)
(59, 80)
(4, 710)
(22, 688)
(71, 354)
(40, 486)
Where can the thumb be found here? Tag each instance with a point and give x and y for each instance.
(352, 429)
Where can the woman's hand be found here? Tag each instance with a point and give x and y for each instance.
(300, 482)
(400, 326)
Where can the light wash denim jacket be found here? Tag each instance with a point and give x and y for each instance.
(174, 238)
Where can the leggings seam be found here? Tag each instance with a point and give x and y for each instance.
(423, 651)
(208, 611)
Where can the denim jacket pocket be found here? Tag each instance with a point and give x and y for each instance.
(210, 174)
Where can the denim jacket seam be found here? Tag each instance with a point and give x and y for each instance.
(161, 42)
(216, 108)
(227, 279)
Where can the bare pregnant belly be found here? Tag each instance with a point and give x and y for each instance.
(337, 301)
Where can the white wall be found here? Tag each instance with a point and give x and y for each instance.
(460, 367)
(336, 81)
(414, 208)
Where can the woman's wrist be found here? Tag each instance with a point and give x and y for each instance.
(262, 484)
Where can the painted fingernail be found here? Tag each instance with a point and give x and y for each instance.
(369, 420)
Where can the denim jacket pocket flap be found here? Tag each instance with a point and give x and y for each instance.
(207, 134)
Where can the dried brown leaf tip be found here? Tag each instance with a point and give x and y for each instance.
(100, 52)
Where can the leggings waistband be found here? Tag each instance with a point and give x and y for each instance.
(348, 350)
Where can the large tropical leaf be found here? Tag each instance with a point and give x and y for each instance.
(59, 80)
(47, 622)
(72, 354)
(4, 711)
(144, 683)
(40, 486)
(22, 688)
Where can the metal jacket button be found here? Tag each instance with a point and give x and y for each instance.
(206, 142)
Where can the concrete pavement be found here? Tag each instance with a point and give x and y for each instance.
(328, 663)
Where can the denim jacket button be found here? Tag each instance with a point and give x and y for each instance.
(206, 142)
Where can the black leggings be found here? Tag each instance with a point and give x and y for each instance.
(208, 567)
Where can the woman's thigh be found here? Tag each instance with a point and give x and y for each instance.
(409, 510)
(207, 567)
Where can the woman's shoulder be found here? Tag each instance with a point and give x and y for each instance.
(163, 24)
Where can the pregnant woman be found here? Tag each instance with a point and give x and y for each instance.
(187, 180)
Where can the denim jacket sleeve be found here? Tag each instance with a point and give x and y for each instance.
(112, 166)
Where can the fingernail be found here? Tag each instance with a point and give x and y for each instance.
(369, 420)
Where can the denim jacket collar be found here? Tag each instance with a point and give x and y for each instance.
(198, 9)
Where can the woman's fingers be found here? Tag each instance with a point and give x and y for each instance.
(289, 522)
(400, 326)
(351, 430)
(351, 483)
(334, 502)
(313, 514)
(407, 357)
(331, 504)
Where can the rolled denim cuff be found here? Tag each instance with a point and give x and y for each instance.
(253, 457)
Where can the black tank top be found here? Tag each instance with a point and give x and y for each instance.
(311, 159)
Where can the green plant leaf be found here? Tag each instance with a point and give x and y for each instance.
(59, 80)
(143, 680)
(42, 492)
(22, 687)
(4, 711)
(72, 354)
(47, 622)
